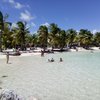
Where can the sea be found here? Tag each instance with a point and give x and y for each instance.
(76, 78)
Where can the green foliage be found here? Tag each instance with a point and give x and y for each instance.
(21, 31)
(1, 22)
(97, 38)
(85, 37)
(43, 36)
(71, 35)
(53, 36)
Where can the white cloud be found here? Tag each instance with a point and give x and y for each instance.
(11, 1)
(33, 24)
(15, 4)
(77, 31)
(34, 32)
(18, 6)
(14, 25)
(95, 30)
(46, 24)
(26, 16)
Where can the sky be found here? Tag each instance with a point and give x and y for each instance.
(76, 14)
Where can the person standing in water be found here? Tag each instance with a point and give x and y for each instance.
(61, 60)
(7, 57)
(42, 53)
(52, 60)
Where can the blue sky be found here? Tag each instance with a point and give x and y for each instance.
(76, 14)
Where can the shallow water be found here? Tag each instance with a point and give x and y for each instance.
(76, 78)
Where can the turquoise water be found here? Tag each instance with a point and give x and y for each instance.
(78, 75)
(76, 78)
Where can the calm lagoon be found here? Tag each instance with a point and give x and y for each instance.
(76, 78)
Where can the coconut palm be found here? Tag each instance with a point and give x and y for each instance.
(35, 40)
(85, 38)
(71, 35)
(21, 31)
(7, 36)
(1, 21)
(43, 36)
(1, 29)
(53, 35)
(62, 39)
(5, 31)
(28, 39)
(32, 40)
(97, 38)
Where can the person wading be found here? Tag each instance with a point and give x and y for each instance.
(7, 57)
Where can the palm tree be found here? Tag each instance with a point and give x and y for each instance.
(43, 36)
(1, 21)
(22, 30)
(4, 31)
(53, 35)
(29, 40)
(62, 39)
(32, 40)
(35, 40)
(7, 36)
(97, 38)
(1, 29)
(85, 38)
(71, 35)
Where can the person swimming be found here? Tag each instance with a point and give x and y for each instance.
(52, 60)
(61, 60)
(49, 60)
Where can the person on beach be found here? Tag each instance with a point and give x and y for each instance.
(7, 57)
(60, 60)
(42, 53)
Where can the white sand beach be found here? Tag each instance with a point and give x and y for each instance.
(38, 50)
(3, 56)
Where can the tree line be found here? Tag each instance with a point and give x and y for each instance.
(51, 36)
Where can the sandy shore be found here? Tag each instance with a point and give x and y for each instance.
(37, 52)
(2, 56)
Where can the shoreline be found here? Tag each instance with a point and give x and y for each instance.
(38, 52)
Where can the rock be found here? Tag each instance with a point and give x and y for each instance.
(9, 95)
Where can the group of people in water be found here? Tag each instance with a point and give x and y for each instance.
(52, 60)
